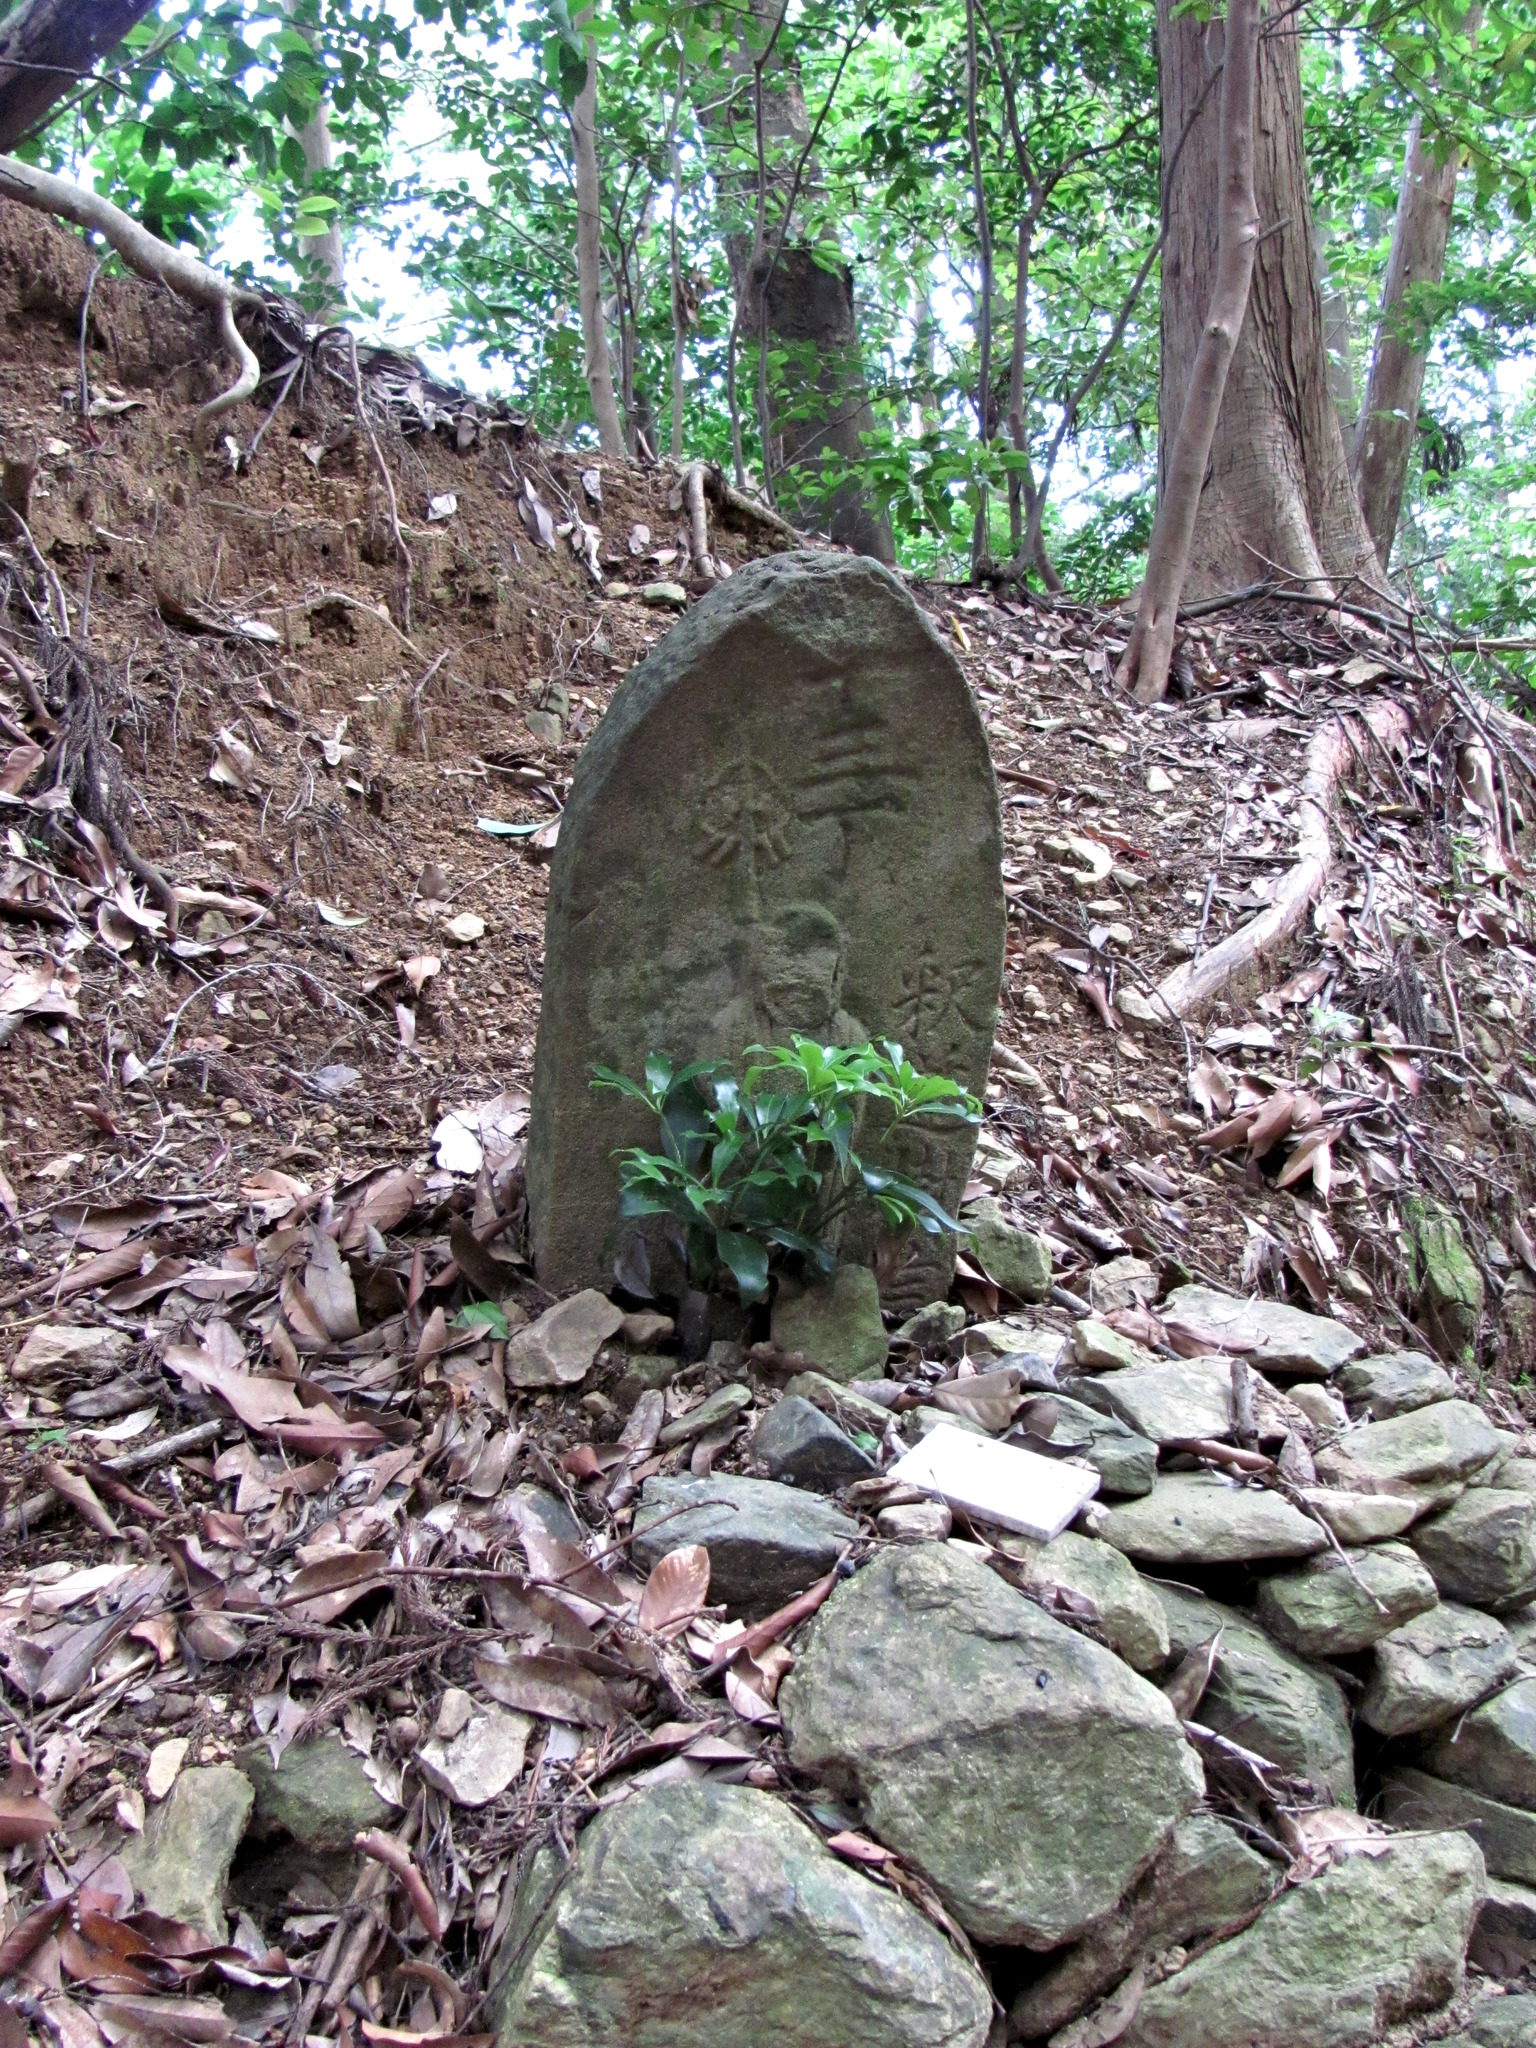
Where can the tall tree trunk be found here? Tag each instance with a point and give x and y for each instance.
(981, 550)
(46, 46)
(801, 306)
(1389, 417)
(1276, 497)
(1150, 648)
(589, 262)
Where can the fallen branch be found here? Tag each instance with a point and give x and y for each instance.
(15, 1521)
(1331, 755)
(150, 257)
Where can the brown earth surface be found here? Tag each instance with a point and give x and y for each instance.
(310, 760)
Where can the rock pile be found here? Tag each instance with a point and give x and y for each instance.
(1123, 1769)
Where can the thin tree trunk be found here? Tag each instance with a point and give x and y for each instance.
(1150, 649)
(679, 302)
(980, 538)
(589, 262)
(1389, 417)
(326, 252)
(46, 46)
(1017, 431)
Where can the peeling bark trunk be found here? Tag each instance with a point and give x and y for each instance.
(1389, 417)
(49, 45)
(589, 263)
(1277, 496)
(1150, 649)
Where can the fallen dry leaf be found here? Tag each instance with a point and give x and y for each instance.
(675, 1591)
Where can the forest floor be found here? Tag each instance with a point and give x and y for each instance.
(350, 805)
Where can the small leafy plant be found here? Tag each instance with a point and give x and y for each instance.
(766, 1164)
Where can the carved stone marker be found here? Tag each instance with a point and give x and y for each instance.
(787, 821)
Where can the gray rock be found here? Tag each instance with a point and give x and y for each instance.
(1129, 1613)
(925, 1419)
(1126, 1282)
(1333, 1962)
(1363, 1517)
(1196, 1518)
(852, 1405)
(796, 1441)
(1339, 1603)
(538, 1504)
(1504, 1939)
(1206, 1876)
(1098, 1347)
(916, 1521)
(1483, 1550)
(1276, 1338)
(1492, 1749)
(723, 1405)
(1263, 1696)
(932, 1327)
(699, 1914)
(559, 1349)
(180, 1864)
(646, 1371)
(765, 759)
(1516, 1475)
(1448, 1286)
(1018, 1260)
(1034, 1353)
(1124, 1461)
(1433, 1668)
(766, 1542)
(1320, 1405)
(1395, 1383)
(1505, 1834)
(665, 597)
(1025, 1771)
(1446, 1442)
(318, 1792)
(1171, 1399)
(1507, 2022)
(837, 1329)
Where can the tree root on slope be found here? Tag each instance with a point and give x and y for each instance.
(150, 257)
(1332, 753)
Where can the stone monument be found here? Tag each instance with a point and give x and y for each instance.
(786, 822)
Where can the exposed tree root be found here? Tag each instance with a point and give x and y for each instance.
(728, 499)
(151, 258)
(1332, 753)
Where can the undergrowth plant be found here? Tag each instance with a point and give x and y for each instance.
(754, 1168)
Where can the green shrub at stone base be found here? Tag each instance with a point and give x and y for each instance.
(756, 1170)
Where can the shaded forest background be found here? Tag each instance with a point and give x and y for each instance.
(940, 228)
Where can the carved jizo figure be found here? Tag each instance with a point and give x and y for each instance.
(786, 822)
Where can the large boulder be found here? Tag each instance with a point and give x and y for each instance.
(180, 1864)
(766, 1542)
(318, 1792)
(1493, 1749)
(1028, 1773)
(1194, 1518)
(1271, 1336)
(1205, 1877)
(702, 1914)
(1263, 1696)
(1332, 1963)
(1505, 1834)
(1127, 1609)
(1432, 1446)
(1345, 1600)
(1483, 1550)
(1434, 1667)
